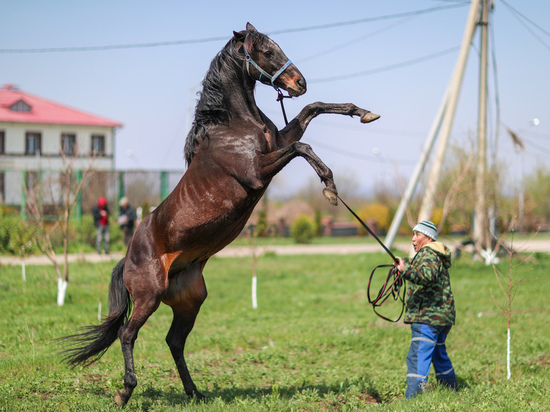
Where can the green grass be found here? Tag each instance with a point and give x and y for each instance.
(313, 344)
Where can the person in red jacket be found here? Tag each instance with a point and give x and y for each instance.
(101, 214)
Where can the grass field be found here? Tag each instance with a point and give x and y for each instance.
(313, 344)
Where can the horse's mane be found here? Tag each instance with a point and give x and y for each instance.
(213, 106)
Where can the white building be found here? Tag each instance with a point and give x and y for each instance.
(38, 135)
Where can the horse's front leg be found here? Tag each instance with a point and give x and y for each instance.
(296, 128)
(272, 163)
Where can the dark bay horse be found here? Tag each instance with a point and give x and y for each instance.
(233, 151)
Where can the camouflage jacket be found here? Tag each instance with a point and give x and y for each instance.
(429, 298)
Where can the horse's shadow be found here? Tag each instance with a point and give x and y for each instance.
(151, 396)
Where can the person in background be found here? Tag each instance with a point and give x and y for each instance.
(101, 213)
(126, 220)
(430, 309)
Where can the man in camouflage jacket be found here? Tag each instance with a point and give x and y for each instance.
(430, 309)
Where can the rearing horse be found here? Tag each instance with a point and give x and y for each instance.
(233, 151)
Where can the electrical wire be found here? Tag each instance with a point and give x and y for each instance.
(385, 68)
(517, 15)
(368, 19)
(497, 92)
(371, 158)
(526, 18)
(349, 43)
(220, 38)
(536, 146)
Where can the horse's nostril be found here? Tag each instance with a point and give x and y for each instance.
(301, 82)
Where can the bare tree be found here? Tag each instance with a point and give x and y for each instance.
(453, 192)
(63, 195)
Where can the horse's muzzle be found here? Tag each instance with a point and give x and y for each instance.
(298, 87)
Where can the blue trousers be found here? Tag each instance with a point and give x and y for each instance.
(427, 347)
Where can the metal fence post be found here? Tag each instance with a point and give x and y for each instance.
(164, 188)
(121, 187)
(24, 195)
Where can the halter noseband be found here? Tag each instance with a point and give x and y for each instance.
(271, 78)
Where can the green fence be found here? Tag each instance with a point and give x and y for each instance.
(48, 188)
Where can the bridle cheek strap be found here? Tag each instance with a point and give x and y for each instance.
(250, 61)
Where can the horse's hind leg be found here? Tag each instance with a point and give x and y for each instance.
(143, 308)
(186, 294)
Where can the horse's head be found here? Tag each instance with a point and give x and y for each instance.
(266, 62)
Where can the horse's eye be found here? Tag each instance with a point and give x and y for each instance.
(268, 54)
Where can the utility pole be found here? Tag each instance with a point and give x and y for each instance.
(443, 121)
(481, 229)
(456, 83)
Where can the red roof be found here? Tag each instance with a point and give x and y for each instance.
(43, 111)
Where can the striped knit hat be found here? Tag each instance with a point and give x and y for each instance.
(426, 228)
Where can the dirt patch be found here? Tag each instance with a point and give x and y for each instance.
(43, 396)
(543, 361)
(341, 402)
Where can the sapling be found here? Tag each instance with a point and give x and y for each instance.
(509, 287)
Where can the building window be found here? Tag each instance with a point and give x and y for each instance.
(2, 142)
(20, 106)
(68, 144)
(33, 143)
(98, 145)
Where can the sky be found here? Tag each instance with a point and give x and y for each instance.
(394, 58)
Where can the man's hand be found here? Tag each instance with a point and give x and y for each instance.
(400, 265)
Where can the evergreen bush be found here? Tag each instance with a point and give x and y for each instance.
(302, 229)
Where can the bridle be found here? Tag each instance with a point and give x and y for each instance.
(271, 78)
(250, 61)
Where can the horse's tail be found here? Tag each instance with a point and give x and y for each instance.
(90, 345)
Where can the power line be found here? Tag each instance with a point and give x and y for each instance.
(497, 92)
(371, 158)
(221, 38)
(368, 19)
(351, 42)
(525, 17)
(517, 15)
(385, 68)
(114, 47)
(534, 135)
(536, 146)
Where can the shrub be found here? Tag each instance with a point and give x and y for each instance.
(16, 236)
(377, 215)
(262, 226)
(302, 229)
(84, 231)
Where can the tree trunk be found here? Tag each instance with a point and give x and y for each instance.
(61, 290)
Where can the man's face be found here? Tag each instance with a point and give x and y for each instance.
(419, 240)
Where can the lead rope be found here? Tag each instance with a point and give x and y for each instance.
(280, 98)
(394, 284)
(369, 230)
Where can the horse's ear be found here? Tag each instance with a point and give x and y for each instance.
(250, 27)
(239, 35)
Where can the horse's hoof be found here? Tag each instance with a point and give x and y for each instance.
(369, 117)
(196, 394)
(118, 399)
(330, 196)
